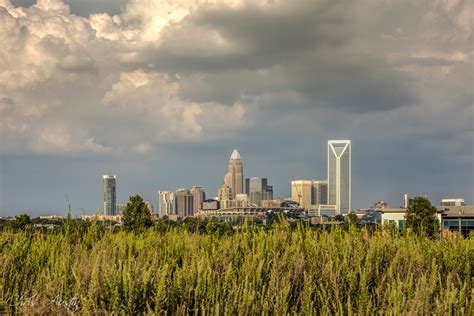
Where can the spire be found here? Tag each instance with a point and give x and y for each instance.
(235, 155)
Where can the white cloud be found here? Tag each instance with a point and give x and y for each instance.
(190, 71)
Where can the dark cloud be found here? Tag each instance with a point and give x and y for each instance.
(165, 85)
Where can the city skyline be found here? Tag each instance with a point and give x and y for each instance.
(126, 87)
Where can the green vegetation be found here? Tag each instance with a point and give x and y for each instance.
(207, 267)
(22, 221)
(421, 217)
(136, 215)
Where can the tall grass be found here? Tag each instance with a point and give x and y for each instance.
(282, 270)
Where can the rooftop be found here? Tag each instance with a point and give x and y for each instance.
(235, 155)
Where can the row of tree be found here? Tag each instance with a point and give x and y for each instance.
(420, 218)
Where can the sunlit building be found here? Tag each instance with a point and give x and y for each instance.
(165, 203)
(234, 178)
(339, 175)
(301, 192)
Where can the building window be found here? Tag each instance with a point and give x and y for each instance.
(401, 224)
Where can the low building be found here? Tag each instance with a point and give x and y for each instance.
(322, 210)
(452, 202)
(51, 217)
(397, 216)
(210, 205)
(102, 218)
(458, 218)
(270, 203)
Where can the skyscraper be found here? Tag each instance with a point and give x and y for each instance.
(224, 195)
(198, 197)
(319, 192)
(165, 203)
(110, 195)
(339, 175)
(235, 175)
(183, 203)
(257, 190)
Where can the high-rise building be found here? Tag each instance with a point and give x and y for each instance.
(183, 203)
(198, 197)
(339, 175)
(319, 193)
(301, 192)
(224, 195)
(257, 190)
(165, 203)
(110, 194)
(235, 174)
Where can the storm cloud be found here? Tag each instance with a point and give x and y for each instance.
(107, 85)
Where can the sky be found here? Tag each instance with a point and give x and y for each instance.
(160, 93)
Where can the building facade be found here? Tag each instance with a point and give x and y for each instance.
(301, 192)
(110, 194)
(198, 197)
(257, 189)
(452, 202)
(183, 203)
(234, 178)
(319, 193)
(339, 175)
(165, 203)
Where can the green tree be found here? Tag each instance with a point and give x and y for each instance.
(22, 221)
(421, 217)
(351, 219)
(136, 215)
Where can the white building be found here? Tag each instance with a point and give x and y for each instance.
(339, 175)
(397, 216)
(165, 203)
(452, 202)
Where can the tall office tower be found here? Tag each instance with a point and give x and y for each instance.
(183, 203)
(235, 175)
(257, 190)
(301, 192)
(165, 203)
(339, 175)
(198, 197)
(110, 195)
(224, 195)
(319, 194)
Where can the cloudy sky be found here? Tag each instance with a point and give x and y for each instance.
(160, 92)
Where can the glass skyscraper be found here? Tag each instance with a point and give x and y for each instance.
(339, 175)
(257, 190)
(110, 195)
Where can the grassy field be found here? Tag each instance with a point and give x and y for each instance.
(252, 270)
